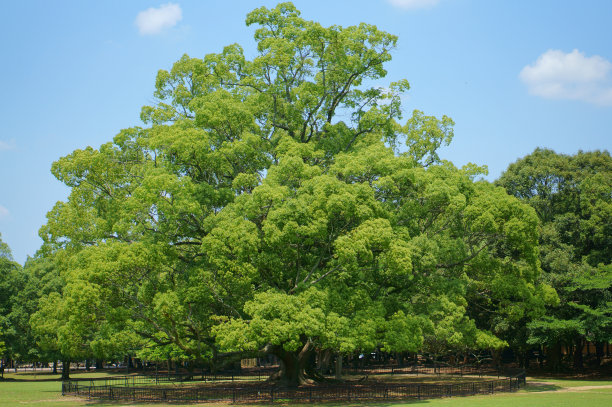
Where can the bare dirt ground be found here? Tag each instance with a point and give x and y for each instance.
(554, 386)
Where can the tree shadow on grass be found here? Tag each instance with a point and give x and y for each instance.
(102, 403)
(364, 403)
(541, 387)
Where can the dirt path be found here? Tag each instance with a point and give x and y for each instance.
(566, 389)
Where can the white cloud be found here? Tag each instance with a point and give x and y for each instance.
(573, 76)
(4, 213)
(7, 145)
(413, 4)
(153, 20)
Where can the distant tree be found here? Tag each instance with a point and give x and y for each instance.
(2, 349)
(5, 250)
(20, 291)
(571, 195)
(63, 328)
(42, 279)
(12, 281)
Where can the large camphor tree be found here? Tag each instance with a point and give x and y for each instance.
(279, 205)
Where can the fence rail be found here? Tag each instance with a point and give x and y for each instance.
(462, 370)
(191, 388)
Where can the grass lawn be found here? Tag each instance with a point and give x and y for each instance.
(28, 390)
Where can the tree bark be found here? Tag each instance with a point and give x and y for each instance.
(296, 367)
(553, 357)
(578, 359)
(65, 369)
(599, 352)
(323, 360)
(338, 367)
(496, 356)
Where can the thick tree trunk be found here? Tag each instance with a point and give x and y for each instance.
(578, 359)
(65, 369)
(553, 357)
(599, 352)
(323, 361)
(520, 356)
(296, 368)
(496, 356)
(338, 367)
(541, 357)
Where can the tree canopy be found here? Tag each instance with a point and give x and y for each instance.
(11, 280)
(281, 205)
(571, 195)
(20, 291)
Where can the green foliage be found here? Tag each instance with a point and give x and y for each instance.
(266, 208)
(12, 280)
(571, 195)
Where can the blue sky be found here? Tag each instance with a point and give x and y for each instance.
(514, 75)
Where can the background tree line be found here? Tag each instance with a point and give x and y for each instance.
(282, 205)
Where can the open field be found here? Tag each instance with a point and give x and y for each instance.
(28, 390)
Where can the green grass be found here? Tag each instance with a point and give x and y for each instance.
(27, 390)
(44, 376)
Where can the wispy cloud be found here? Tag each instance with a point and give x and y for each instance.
(4, 213)
(413, 4)
(7, 145)
(570, 76)
(154, 20)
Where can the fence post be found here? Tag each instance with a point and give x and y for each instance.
(233, 395)
(310, 394)
(419, 391)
